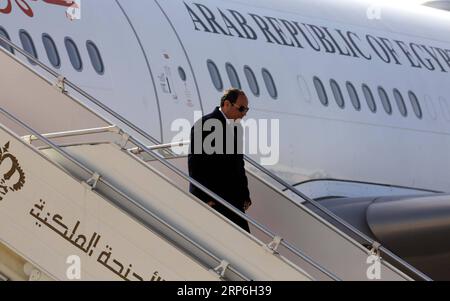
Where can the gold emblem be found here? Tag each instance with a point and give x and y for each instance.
(12, 175)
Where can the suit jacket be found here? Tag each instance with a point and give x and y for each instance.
(221, 172)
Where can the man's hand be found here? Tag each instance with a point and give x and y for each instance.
(211, 203)
(247, 204)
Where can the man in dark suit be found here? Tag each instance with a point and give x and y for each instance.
(216, 158)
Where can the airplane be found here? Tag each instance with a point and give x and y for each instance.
(359, 87)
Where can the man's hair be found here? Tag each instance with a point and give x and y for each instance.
(231, 95)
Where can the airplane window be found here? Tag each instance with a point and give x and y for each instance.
(215, 75)
(74, 54)
(270, 84)
(337, 93)
(4, 34)
(233, 76)
(353, 96)
(52, 52)
(415, 104)
(369, 98)
(400, 103)
(385, 100)
(96, 59)
(321, 91)
(28, 45)
(251, 79)
(182, 74)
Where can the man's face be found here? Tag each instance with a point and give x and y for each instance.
(237, 110)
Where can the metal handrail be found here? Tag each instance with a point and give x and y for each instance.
(216, 197)
(197, 184)
(161, 146)
(113, 129)
(80, 165)
(182, 143)
(364, 183)
(336, 218)
(163, 161)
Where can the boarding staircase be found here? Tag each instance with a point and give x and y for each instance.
(104, 195)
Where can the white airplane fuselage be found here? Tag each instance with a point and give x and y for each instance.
(146, 46)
